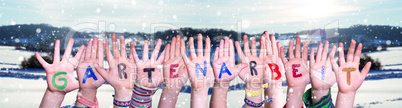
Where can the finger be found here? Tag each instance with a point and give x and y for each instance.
(162, 56)
(305, 51)
(216, 55)
(167, 48)
(192, 49)
(268, 44)
(312, 61)
(240, 67)
(231, 50)
(262, 47)
(183, 51)
(88, 51)
(226, 50)
(100, 56)
(109, 55)
(253, 47)
(341, 54)
(221, 44)
(319, 52)
(297, 50)
(156, 50)
(284, 60)
(199, 46)
(325, 52)
(275, 51)
(101, 71)
(365, 70)
(78, 55)
(177, 47)
(246, 47)
(123, 47)
(93, 49)
(131, 48)
(278, 46)
(82, 58)
(207, 51)
(332, 59)
(67, 52)
(290, 51)
(56, 56)
(172, 48)
(145, 52)
(41, 60)
(115, 46)
(349, 57)
(239, 51)
(358, 53)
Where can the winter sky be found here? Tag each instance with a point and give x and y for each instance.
(280, 16)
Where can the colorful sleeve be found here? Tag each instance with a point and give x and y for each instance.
(325, 102)
(142, 96)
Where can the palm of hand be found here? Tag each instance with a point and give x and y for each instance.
(217, 67)
(355, 78)
(322, 75)
(269, 59)
(143, 77)
(113, 73)
(176, 77)
(200, 81)
(90, 83)
(62, 82)
(297, 72)
(257, 76)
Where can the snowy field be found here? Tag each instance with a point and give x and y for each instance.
(17, 92)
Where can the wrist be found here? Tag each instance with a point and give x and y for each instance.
(254, 86)
(123, 94)
(221, 85)
(55, 93)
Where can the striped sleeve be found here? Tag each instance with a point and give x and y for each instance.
(325, 102)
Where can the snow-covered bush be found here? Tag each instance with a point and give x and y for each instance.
(32, 62)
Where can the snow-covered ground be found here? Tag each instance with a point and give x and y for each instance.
(17, 92)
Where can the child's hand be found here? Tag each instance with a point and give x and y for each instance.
(274, 69)
(88, 77)
(174, 70)
(148, 73)
(297, 73)
(121, 73)
(224, 66)
(199, 67)
(59, 75)
(252, 75)
(322, 77)
(348, 76)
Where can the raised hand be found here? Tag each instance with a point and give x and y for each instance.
(121, 73)
(253, 73)
(224, 66)
(174, 74)
(199, 70)
(347, 73)
(89, 78)
(174, 69)
(321, 75)
(148, 73)
(297, 73)
(273, 72)
(87, 74)
(59, 75)
(225, 71)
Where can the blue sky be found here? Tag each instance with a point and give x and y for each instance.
(279, 16)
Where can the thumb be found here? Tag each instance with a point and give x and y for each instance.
(241, 66)
(101, 71)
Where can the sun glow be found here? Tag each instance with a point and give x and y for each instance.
(317, 8)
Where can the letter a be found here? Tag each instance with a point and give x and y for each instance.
(224, 69)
